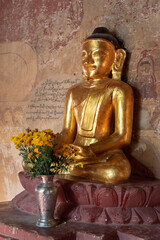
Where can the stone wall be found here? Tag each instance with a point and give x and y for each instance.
(40, 58)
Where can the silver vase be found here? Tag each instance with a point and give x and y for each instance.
(46, 194)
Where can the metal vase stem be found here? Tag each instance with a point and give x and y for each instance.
(46, 194)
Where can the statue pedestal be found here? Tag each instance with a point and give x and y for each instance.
(88, 210)
(135, 202)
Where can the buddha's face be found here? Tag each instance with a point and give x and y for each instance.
(97, 58)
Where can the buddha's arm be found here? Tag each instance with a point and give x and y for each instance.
(123, 107)
(69, 127)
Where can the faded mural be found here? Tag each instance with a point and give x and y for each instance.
(145, 79)
(40, 58)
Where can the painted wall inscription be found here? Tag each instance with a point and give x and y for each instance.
(47, 102)
(146, 79)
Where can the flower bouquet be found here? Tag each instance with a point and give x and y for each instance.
(43, 156)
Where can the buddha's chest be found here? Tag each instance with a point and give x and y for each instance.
(93, 112)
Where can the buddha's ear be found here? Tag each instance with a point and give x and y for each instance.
(117, 67)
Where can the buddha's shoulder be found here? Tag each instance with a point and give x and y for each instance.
(117, 85)
(75, 88)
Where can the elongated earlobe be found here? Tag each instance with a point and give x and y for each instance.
(118, 64)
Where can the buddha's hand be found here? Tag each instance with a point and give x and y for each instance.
(84, 151)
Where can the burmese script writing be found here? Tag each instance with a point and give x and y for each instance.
(48, 100)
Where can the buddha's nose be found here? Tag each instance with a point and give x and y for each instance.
(89, 59)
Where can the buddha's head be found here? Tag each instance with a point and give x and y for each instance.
(101, 54)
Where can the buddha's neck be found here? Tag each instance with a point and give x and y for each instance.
(98, 82)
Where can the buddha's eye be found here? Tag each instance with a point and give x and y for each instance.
(99, 53)
(84, 54)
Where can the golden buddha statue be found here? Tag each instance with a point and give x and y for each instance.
(99, 112)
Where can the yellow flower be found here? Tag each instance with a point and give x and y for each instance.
(35, 134)
(47, 130)
(35, 141)
(81, 164)
(20, 135)
(42, 134)
(24, 138)
(28, 140)
(48, 137)
(30, 155)
(36, 150)
(44, 139)
(18, 142)
(30, 165)
(40, 143)
(50, 144)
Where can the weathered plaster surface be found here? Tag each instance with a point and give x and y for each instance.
(41, 40)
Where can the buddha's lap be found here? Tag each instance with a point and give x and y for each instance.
(113, 157)
(114, 170)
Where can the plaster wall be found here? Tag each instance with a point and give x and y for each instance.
(40, 58)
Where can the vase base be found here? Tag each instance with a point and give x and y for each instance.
(46, 224)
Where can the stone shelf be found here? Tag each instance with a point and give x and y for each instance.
(18, 225)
